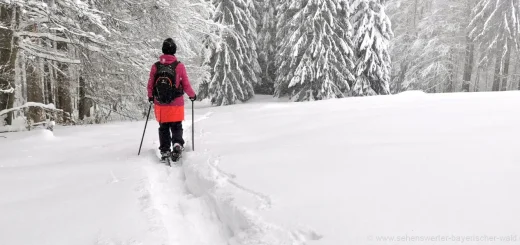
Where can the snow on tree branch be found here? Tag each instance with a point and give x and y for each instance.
(30, 104)
(317, 66)
(231, 58)
(47, 54)
(7, 91)
(372, 34)
(40, 35)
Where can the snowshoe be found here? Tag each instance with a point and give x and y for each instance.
(166, 157)
(177, 153)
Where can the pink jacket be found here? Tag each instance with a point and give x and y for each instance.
(182, 77)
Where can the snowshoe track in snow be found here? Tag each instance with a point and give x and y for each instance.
(236, 206)
(199, 203)
(177, 216)
(264, 201)
(181, 218)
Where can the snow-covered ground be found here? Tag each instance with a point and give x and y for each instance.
(86, 185)
(412, 168)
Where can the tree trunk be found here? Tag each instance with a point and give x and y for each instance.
(451, 71)
(53, 74)
(35, 89)
(486, 75)
(64, 96)
(519, 83)
(84, 102)
(505, 68)
(415, 18)
(476, 88)
(512, 82)
(63, 86)
(516, 68)
(48, 82)
(402, 77)
(468, 65)
(8, 53)
(498, 66)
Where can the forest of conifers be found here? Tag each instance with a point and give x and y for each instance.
(88, 61)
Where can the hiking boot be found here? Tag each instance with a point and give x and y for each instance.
(165, 155)
(177, 152)
(177, 148)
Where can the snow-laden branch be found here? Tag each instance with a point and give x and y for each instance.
(42, 53)
(30, 104)
(40, 35)
(7, 91)
(102, 104)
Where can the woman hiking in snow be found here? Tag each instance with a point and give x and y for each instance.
(166, 86)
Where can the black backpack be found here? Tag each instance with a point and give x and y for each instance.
(165, 90)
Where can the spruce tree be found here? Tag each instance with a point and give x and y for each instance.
(231, 56)
(405, 16)
(315, 54)
(437, 48)
(495, 28)
(372, 34)
(267, 47)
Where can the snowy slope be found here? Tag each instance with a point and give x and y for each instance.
(350, 171)
(410, 167)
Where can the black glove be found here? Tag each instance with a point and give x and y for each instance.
(193, 98)
(150, 99)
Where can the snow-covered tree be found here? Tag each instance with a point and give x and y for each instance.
(440, 41)
(71, 54)
(405, 16)
(45, 33)
(430, 38)
(372, 34)
(314, 57)
(267, 47)
(469, 52)
(8, 53)
(257, 9)
(495, 27)
(231, 57)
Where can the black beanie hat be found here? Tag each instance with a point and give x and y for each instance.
(169, 47)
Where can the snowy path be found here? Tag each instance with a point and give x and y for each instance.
(184, 217)
(86, 185)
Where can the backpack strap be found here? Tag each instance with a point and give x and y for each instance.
(174, 67)
(175, 64)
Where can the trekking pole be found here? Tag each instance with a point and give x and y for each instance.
(148, 116)
(192, 126)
